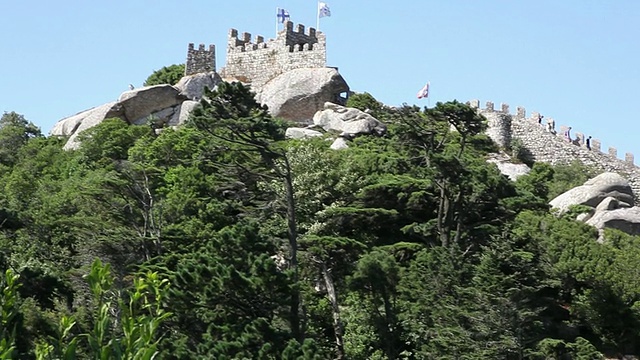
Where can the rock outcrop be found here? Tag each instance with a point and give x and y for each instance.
(138, 104)
(298, 94)
(301, 133)
(594, 191)
(623, 219)
(349, 122)
(161, 104)
(508, 168)
(74, 125)
(192, 86)
(339, 144)
(610, 197)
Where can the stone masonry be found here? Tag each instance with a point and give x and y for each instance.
(200, 60)
(256, 61)
(550, 146)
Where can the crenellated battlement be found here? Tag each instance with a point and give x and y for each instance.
(244, 43)
(200, 60)
(543, 143)
(256, 61)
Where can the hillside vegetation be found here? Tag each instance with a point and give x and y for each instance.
(224, 240)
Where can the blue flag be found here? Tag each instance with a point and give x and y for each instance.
(283, 15)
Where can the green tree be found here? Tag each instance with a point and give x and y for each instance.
(166, 75)
(365, 102)
(244, 128)
(139, 316)
(375, 280)
(15, 131)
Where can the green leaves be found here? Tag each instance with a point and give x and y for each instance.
(139, 320)
(166, 75)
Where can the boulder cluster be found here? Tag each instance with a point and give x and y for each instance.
(295, 95)
(164, 105)
(343, 122)
(611, 200)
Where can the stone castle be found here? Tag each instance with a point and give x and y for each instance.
(543, 143)
(256, 61)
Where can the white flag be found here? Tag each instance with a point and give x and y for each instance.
(424, 92)
(323, 10)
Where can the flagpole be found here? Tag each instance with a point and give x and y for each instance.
(318, 16)
(429, 98)
(277, 12)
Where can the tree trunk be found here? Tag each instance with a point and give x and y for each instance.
(293, 256)
(337, 322)
(444, 225)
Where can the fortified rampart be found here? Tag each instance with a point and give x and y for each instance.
(543, 143)
(200, 60)
(256, 61)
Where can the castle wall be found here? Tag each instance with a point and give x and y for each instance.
(256, 61)
(200, 60)
(499, 125)
(545, 144)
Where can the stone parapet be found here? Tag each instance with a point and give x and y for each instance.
(256, 61)
(200, 60)
(545, 145)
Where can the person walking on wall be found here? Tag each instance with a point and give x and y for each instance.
(540, 117)
(588, 143)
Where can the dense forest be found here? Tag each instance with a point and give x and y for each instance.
(223, 240)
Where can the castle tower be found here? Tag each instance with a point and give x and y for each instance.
(200, 60)
(498, 124)
(256, 62)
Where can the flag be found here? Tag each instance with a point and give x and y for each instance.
(424, 92)
(323, 10)
(283, 15)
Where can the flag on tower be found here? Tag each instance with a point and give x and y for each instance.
(323, 10)
(283, 15)
(424, 92)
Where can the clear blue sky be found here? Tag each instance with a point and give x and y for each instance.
(577, 61)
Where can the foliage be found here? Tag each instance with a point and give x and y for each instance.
(568, 176)
(404, 246)
(139, 316)
(517, 150)
(166, 75)
(365, 102)
(15, 132)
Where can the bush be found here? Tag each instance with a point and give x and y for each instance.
(167, 75)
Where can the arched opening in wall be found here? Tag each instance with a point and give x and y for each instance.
(300, 47)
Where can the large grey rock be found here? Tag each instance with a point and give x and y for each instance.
(74, 125)
(607, 204)
(623, 219)
(182, 113)
(142, 102)
(301, 133)
(506, 167)
(296, 95)
(594, 191)
(348, 121)
(192, 86)
(339, 144)
(159, 117)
